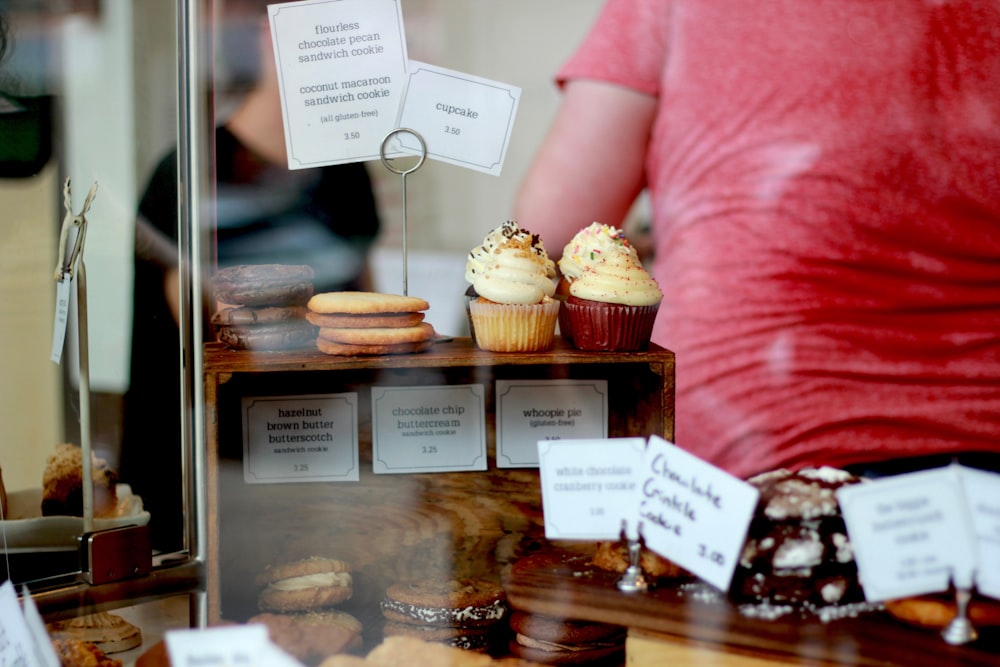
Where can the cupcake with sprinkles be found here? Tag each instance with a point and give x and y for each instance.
(588, 247)
(612, 305)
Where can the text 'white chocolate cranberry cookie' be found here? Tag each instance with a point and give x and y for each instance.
(797, 551)
(370, 323)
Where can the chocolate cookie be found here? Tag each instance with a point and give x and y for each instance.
(445, 603)
(287, 335)
(556, 641)
(264, 284)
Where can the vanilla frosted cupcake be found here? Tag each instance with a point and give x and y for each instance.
(588, 247)
(513, 282)
(612, 305)
(484, 254)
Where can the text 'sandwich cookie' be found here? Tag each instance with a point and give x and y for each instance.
(461, 613)
(262, 306)
(370, 323)
(304, 585)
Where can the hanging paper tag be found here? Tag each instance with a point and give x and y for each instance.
(61, 317)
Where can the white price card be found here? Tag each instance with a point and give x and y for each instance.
(226, 646)
(910, 533)
(24, 641)
(428, 429)
(982, 493)
(533, 410)
(589, 486)
(310, 438)
(464, 120)
(692, 512)
(341, 73)
(61, 318)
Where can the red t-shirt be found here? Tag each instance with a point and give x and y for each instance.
(825, 178)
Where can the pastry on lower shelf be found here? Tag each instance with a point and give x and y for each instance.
(936, 611)
(80, 653)
(62, 484)
(315, 635)
(614, 556)
(557, 641)
(797, 551)
(307, 584)
(109, 632)
(460, 613)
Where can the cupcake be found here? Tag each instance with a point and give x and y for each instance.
(612, 305)
(513, 282)
(588, 247)
(482, 255)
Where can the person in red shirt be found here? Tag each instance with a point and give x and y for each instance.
(824, 180)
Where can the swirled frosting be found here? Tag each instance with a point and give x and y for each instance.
(483, 255)
(515, 274)
(617, 278)
(590, 245)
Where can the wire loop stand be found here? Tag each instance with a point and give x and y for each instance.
(960, 630)
(633, 580)
(387, 161)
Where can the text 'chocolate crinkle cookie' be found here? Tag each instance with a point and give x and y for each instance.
(460, 613)
(262, 307)
(797, 550)
(370, 323)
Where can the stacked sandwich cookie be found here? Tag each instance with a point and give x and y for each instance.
(369, 323)
(262, 306)
(557, 641)
(461, 613)
(298, 602)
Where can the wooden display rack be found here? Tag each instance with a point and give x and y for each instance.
(451, 522)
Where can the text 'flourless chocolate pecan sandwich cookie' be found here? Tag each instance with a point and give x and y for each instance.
(461, 613)
(368, 323)
(262, 306)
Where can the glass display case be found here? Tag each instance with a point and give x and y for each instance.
(218, 456)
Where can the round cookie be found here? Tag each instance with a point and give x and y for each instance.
(282, 335)
(264, 315)
(345, 321)
(936, 611)
(264, 284)
(310, 583)
(348, 350)
(379, 335)
(463, 603)
(470, 639)
(614, 556)
(365, 303)
(313, 636)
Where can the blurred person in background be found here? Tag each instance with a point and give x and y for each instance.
(265, 214)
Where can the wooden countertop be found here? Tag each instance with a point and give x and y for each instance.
(694, 620)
